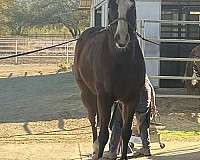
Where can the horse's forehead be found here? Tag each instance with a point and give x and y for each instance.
(125, 4)
(113, 3)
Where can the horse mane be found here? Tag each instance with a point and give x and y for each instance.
(195, 53)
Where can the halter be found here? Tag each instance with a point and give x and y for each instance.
(121, 19)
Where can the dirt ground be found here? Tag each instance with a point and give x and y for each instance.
(42, 118)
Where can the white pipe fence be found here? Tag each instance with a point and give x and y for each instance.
(10, 47)
(173, 59)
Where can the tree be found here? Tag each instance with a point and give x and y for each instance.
(63, 12)
(4, 7)
(39, 13)
(19, 16)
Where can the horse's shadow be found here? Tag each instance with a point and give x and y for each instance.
(61, 126)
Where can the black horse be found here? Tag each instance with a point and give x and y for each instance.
(109, 66)
(193, 70)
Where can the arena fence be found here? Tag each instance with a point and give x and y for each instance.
(16, 46)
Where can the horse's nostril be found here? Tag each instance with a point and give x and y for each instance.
(122, 41)
(121, 45)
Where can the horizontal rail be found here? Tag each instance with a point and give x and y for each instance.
(71, 52)
(174, 40)
(48, 51)
(172, 59)
(43, 56)
(69, 56)
(177, 96)
(175, 77)
(21, 46)
(32, 41)
(169, 21)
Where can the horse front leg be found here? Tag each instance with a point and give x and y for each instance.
(129, 111)
(104, 108)
(95, 146)
(90, 102)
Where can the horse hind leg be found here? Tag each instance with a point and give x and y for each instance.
(90, 102)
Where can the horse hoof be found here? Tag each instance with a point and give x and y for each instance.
(94, 156)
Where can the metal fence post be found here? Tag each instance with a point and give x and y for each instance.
(142, 32)
(16, 50)
(67, 53)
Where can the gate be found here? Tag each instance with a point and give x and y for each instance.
(190, 31)
(172, 60)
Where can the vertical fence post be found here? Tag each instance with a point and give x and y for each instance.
(142, 43)
(67, 52)
(140, 31)
(16, 50)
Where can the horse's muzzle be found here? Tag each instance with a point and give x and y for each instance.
(122, 42)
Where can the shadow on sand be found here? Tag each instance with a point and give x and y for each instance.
(40, 98)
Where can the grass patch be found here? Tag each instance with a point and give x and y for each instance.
(180, 135)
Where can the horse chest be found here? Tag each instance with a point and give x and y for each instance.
(126, 80)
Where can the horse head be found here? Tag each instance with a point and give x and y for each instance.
(122, 19)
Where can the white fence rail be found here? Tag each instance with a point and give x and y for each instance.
(16, 46)
(173, 59)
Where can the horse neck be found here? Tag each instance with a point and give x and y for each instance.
(109, 39)
(129, 56)
(132, 33)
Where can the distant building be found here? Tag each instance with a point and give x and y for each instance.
(85, 4)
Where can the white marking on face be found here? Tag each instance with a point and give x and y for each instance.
(122, 36)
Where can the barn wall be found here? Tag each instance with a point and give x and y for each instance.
(150, 9)
(96, 4)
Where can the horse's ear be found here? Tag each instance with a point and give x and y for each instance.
(109, 3)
